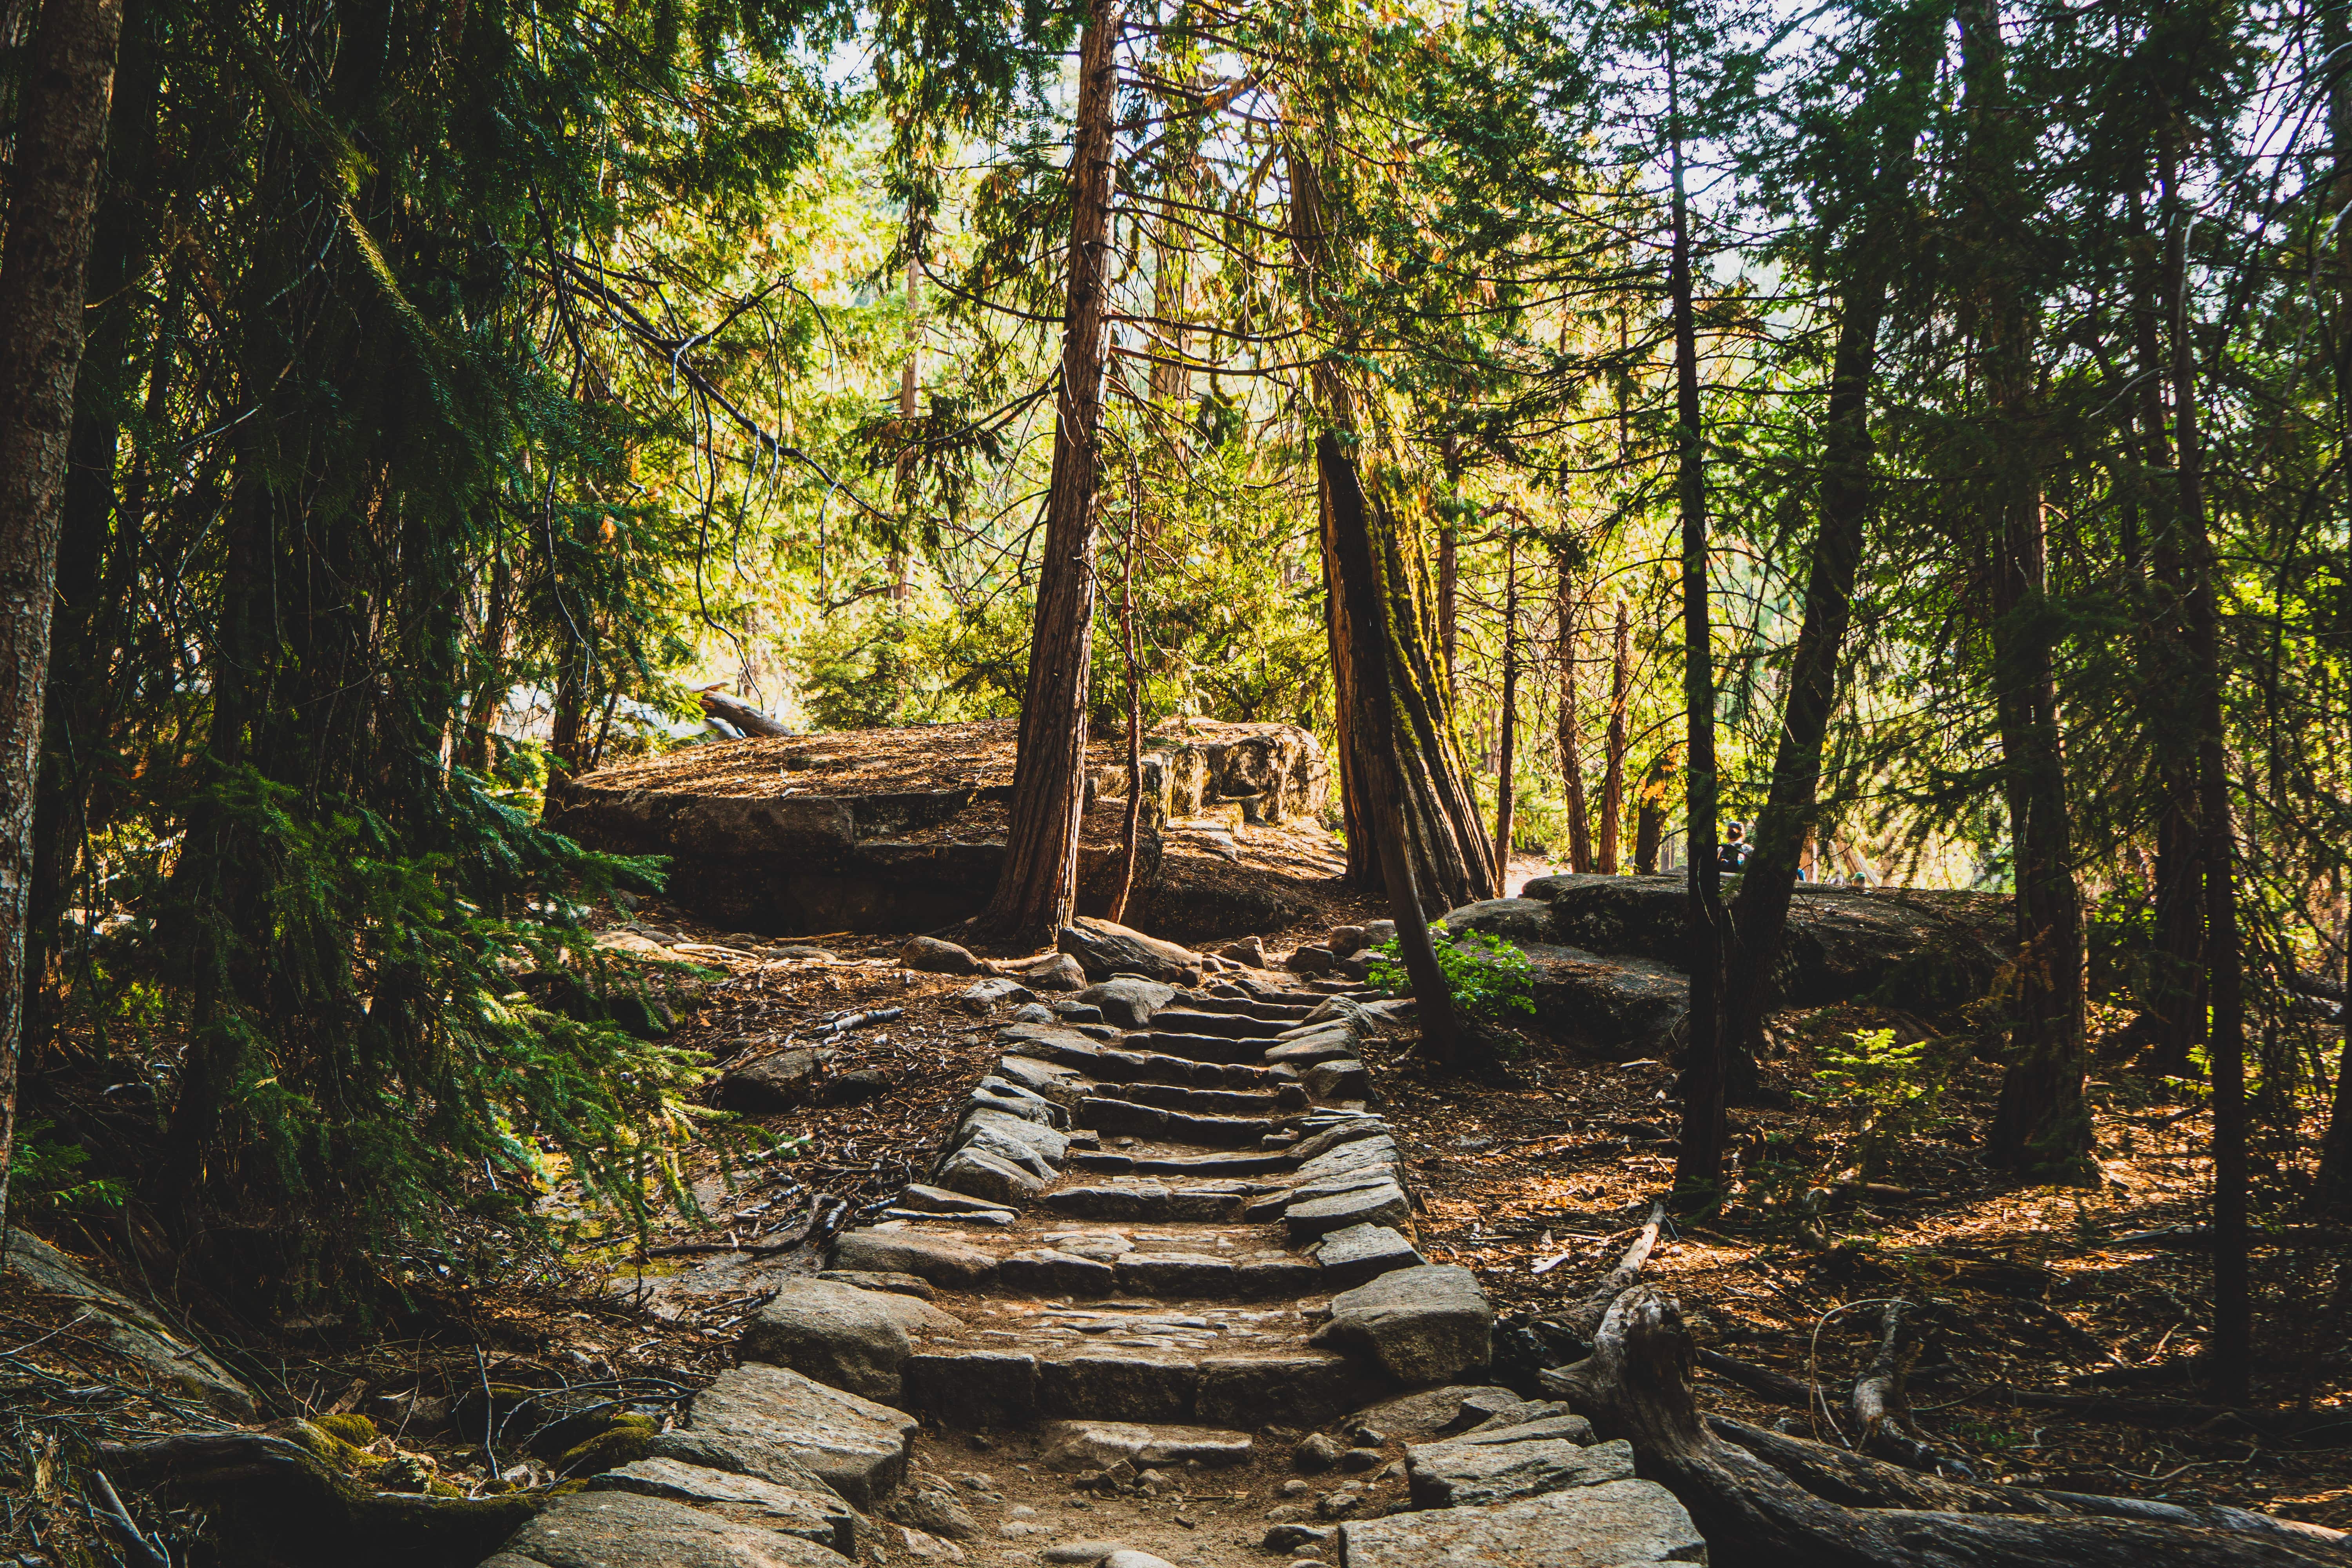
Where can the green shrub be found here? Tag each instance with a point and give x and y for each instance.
(1487, 976)
(1892, 1090)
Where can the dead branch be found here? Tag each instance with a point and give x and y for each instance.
(1880, 1406)
(1585, 1317)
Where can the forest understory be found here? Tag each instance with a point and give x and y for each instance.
(2062, 1326)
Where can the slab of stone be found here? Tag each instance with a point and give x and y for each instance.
(1618, 1524)
(1039, 1149)
(943, 1200)
(936, 1259)
(1175, 1274)
(1338, 1077)
(1059, 974)
(1241, 1391)
(983, 995)
(1432, 1413)
(1117, 1388)
(1098, 1445)
(753, 1414)
(1564, 1426)
(996, 1183)
(1383, 1204)
(984, 1389)
(1050, 1080)
(1105, 949)
(993, 1093)
(1269, 1206)
(1266, 1276)
(897, 1284)
(934, 1510)
(821, 1517)
(1345, 1130)
(852, 1339)
(1121, 1200)
(1129, 1557)
(1471, 1475)
(1361, 1254)
(1364, 1154)
(627, 1530)
(1423, 1325)
(1129, 1003)
(1328, 1046)
(1049, 1271)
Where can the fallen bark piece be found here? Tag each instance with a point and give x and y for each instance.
(1619, 1524)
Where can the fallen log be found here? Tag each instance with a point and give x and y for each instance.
(1585, 1317)
(1882, 1408)
(1868, 1513)
(744, 718)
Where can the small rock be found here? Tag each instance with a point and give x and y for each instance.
(1285, 1513)
(980, 995)
(1360, 1459)
(1293, 1537)
(1250, 950)
(1366, 1437)
(1129, 1001)
(1076, 1012)
(1085, 1552)
(934, 1511)
(1019, 1529)
(1310, 961)
(1316, 1453)
(1127, 1557)
(1294, 1487)
(1339, 1504)
(854, 1088)
(1379, 931)
(929, 956)
(1062, 972)
(1032, 1013)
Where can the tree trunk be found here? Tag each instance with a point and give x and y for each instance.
(1571, 731)
(1348, 523)
(1768, 880)
(1453, 862)
(1449, 593)
(1613, 766)
(1130, 827)
(1650, 812)
(60, 152)
(1039, 881)
(479, 749)
(2042, 1125)
(2336, 32)
(910, 390)
(2229, 1354)
(1510, 716)
(1698, 1165)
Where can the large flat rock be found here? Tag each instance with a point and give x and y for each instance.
(816, 1516)
(942, 1262)
(1466, 1475)
(1424, 1325)
(904, 830)
(838, 1334)
(774, 1423)
(625, 1530)
(1619, 1524)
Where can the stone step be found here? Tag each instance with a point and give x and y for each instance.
(1152, 1202)
(1201, 1048)
(1272, 1012)
(1234, 1025)
(1211, 1131)
(1158, 1163)
(1106, 1064)
(1290, 1098)
(1191, 1362)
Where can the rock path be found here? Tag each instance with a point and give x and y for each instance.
(1168, 1237)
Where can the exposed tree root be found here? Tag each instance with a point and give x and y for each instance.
(281, 1499)
(1766, 1500)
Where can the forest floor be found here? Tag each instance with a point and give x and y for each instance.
(1536, 1183)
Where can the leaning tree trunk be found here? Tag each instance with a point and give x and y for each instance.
(1349, 542)
(1763, 1500)
(53, 194)
(1453, 860)
(1698, 1165)
(1768, 880)
(1038, 884)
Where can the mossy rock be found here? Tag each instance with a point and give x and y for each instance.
(627, 1439)
(350, 1426)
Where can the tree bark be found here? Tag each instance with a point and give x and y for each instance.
(2042, 1124)
(1361, 564)
(2231, 1352)
(1650, 812)
(1768, 880)
(1130, 826)
(1038, 884)
(1449, 594)
(1510, 718)
(44, 272)
(1571, 730)
(2336, 34)
(1698, 1164)
(1613, 766)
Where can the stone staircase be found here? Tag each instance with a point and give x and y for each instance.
(1151, 1246)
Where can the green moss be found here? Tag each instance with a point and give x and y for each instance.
(629, 1438)
(351, 1426)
